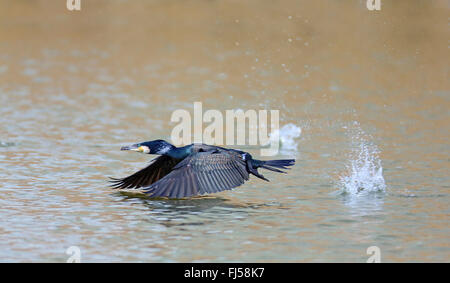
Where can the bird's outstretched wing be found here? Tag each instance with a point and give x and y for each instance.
(201, 173)
(159, 168)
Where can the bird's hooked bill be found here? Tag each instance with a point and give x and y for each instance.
(136, 147)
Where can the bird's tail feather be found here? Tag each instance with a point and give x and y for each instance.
(272, 165)
(280, 163)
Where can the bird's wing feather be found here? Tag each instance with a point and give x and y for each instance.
(201, 173)
(159, 168)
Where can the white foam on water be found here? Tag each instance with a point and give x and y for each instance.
(364, 174)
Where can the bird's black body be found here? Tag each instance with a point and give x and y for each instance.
(194, 169)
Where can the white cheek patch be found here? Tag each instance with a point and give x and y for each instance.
(146, 149)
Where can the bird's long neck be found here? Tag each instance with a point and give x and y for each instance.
(179, 152)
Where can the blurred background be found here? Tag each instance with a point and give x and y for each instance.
(363, 99)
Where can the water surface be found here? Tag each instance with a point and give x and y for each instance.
(367, 90)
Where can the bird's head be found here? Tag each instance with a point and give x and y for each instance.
(150, 147)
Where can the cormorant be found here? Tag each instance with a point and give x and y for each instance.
(195, 169)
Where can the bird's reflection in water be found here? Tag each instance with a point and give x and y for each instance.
(199, 210)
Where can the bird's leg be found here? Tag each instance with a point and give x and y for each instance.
(254, 171)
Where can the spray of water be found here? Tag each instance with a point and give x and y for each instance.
(364, 173)
(287, 135)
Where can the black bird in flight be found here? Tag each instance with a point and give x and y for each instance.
(195, 169)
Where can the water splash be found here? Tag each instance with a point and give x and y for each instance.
(287, 135)
(364, 173)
